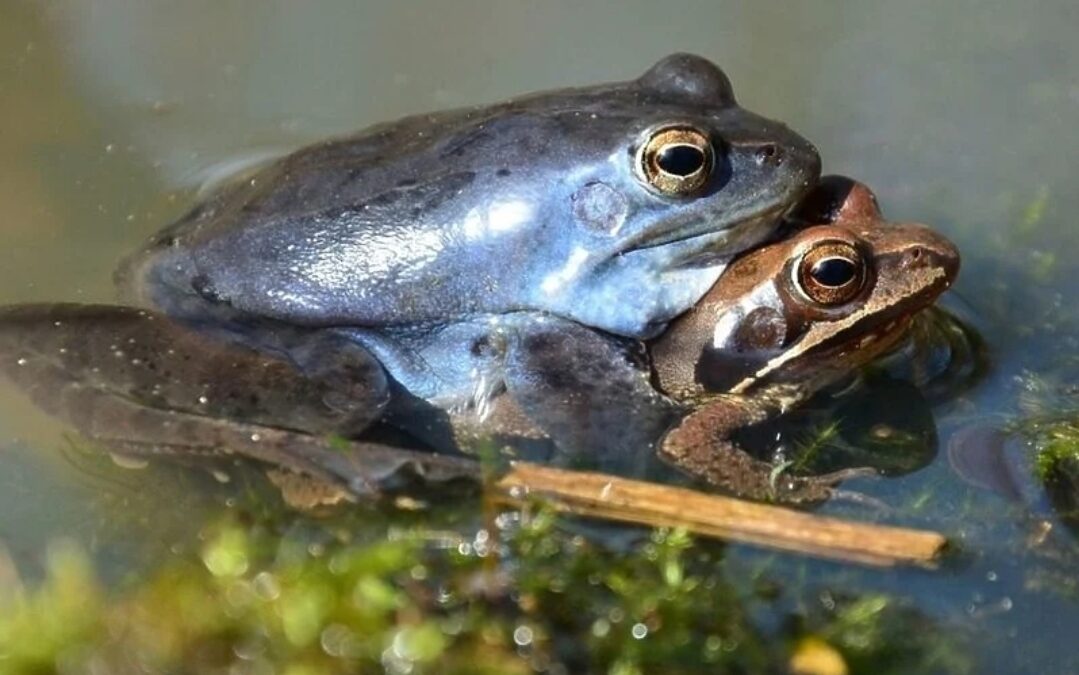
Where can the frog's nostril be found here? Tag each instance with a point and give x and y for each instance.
(769, 154)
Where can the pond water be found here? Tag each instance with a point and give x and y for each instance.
(961, 115)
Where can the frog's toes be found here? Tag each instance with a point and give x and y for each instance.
(808, 489)
(837, 477)
(861, 499)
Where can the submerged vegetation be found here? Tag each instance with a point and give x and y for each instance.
(1049, 422)
(530, 593)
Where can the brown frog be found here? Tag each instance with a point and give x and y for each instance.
(785, 321)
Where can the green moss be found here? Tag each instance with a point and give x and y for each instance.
(878, 634)
(43, 629)
(532, 595)
(1059, 442)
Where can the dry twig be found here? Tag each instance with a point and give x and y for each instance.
(609, 497)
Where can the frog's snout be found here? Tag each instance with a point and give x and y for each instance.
(933, 250)
(787, 153)
(801, 159)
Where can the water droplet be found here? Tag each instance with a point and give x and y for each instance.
(639, 631)
(522, 636)
(266, 586)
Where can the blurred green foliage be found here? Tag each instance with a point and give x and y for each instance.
(533, 594)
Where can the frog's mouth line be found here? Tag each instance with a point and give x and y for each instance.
(836, 359)
(709, 237)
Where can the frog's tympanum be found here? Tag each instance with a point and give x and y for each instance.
(783, 321)
(614, 206)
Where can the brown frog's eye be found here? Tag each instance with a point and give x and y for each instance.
(676, 161)
(831, 273)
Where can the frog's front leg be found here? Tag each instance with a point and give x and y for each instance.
(701, 445)
(141, 384)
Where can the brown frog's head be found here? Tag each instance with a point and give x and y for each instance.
(802, 312)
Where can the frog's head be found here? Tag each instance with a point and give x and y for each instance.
(798, 314)
(699, 163)
(661, 181)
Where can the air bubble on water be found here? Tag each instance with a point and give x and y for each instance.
(128, 462)
(522, 636)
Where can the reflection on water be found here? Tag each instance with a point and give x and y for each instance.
(961, 115)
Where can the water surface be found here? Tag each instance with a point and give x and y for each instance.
(961, 115)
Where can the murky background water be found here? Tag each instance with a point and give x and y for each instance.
(962, 115)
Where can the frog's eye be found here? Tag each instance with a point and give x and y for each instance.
(831, 273)
(676, 161)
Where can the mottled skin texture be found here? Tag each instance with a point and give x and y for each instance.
(529, 205)
(749, 369)
(549, 388)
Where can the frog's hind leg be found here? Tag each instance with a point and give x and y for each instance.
(361, 468)
(143, 385)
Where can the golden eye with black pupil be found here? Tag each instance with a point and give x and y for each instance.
(831, 273)
(676, 161)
